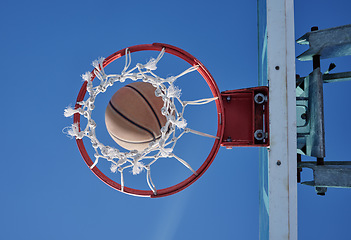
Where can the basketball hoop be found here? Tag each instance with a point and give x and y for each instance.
(162, 147)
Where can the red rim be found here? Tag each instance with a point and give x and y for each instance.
(220, 110)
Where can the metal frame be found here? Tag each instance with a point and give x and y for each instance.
(326, 43)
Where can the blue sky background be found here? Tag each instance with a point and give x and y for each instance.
(47, 191)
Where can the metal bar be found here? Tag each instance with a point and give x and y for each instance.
(336, 174)
(316, 141)
(316, 58)
(328, 43)
(299, 170)
(282, 185)
(337, 77)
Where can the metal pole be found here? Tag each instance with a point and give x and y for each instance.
(317, 64)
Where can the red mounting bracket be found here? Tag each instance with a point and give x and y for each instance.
(246, 117)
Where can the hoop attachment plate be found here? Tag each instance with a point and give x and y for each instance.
(246, 115)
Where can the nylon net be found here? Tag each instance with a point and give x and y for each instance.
(161, 148)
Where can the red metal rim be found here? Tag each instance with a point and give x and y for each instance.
(220, 110)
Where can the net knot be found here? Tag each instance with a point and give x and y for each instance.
(151, 65)
(166, 152)
(173, 91)
(97, 64)
(137, 167)
(87, 76)
(69, 111)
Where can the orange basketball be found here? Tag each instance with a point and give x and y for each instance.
(133, 116)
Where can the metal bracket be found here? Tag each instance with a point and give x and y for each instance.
(327, 43)
(310, 115)
(247, 117)
(337, 77)
(336, 174)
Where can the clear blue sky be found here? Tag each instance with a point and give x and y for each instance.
(47, 191)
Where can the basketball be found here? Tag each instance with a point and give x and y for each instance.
(133, 116)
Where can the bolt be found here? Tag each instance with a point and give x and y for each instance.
(321, 191)
(259, 98)
(259, 135)
(279, 163)
(276, 67)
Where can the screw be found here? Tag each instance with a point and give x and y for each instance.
(279, 163)
(276, 67)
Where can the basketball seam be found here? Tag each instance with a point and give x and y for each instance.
(132, 142)
(131, 121)
(148, 103)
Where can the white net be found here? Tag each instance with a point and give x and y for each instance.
(161, 148)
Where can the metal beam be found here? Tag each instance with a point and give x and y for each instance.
(336, 174)
(337, 77)
(327, 43)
